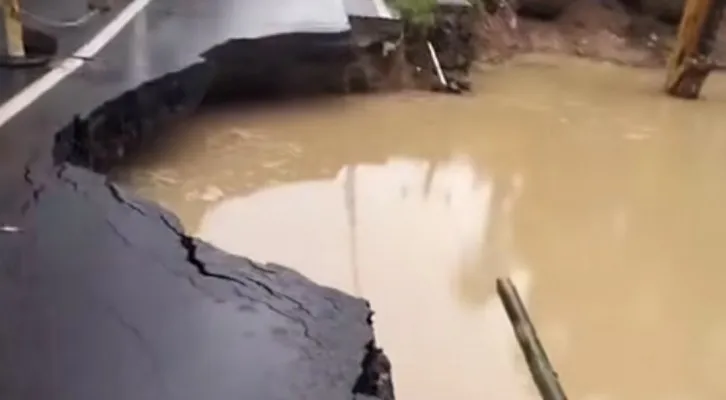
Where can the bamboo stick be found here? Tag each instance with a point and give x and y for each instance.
(545, 378)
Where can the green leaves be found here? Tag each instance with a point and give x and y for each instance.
(418, 12)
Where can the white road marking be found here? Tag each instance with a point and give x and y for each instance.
(32, 92)
(382, 9)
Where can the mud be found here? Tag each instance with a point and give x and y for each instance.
(596, 193)
(610, 30)
(602, 30)
(111, 297)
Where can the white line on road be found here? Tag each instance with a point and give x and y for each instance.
(69, 65)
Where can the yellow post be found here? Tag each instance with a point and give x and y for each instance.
(688, 67)
(13, 28)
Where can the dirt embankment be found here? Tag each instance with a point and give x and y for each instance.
(632, 32)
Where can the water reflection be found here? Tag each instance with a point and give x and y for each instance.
(408, 236)
(138, 53)
(603, 197)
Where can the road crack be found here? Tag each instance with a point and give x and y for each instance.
(188, 243)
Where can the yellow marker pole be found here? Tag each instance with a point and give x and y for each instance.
(13, 28)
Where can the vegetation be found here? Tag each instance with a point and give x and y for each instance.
(417, 12)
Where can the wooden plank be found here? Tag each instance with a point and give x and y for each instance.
(13, 28)
(545, 377)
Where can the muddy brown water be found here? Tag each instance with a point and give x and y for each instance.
(601, 197)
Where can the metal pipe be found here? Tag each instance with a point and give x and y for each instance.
(437, 65)
(13, 29)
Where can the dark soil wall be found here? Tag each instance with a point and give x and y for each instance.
(630, 32)
(604, 29)
(285, 65)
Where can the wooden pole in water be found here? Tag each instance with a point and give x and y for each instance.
(688, 65)
(545, 377)
(13, 28)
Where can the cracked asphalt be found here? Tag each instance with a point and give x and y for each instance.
(104, 295)
(109, 298)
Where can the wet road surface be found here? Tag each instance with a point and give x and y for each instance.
(600, 196)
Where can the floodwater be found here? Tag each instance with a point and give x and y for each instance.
(602, 198)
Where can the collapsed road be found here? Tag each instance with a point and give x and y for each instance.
(103, 295)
